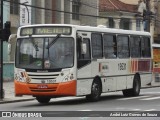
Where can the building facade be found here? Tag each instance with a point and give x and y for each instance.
(119, 15)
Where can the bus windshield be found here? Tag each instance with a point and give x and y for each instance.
(34, 53)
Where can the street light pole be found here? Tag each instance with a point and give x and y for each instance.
(1, 64)
(148, 15)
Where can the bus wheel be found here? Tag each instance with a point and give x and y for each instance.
(96, 90)
(127, 93)
(136, 86)
(43, 99)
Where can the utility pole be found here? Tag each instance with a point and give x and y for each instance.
(1, 57)
(148, 14)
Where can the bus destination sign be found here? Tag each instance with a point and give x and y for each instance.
(45, 30)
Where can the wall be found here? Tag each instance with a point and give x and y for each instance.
(67, 8)
(91, 9)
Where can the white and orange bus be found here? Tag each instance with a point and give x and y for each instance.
(54, 60)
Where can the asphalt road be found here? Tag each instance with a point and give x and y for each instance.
(79, 108)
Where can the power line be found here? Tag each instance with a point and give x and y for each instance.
(36, 7)
(85, 4)
(48, 9)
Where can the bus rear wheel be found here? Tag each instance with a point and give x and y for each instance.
(43, 100)
(136, 86)
(96, 90)
(135, 91)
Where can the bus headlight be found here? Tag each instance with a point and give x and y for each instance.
(68, 78)
(19, 78)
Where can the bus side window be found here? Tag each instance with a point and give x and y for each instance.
(97, 46)
(110, 46)
(123, 46)
(135, 47)
(83, 59)
(146, 47)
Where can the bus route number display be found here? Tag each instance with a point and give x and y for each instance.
(45, 30)
(122, 66)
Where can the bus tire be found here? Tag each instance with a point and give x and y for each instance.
(96, 91)
(135, 91)
(127, 93)
(136, 86)
(43, 100)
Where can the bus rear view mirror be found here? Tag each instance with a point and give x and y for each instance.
(83, 48)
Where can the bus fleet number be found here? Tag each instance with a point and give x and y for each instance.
(122, 66)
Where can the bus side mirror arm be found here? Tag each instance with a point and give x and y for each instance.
(11, 37)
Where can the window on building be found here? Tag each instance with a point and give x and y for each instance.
(75, 9)
(138, 25)
(146, 47)
(97, 46)
(111, 23)
(123, 46)
(125, 24)
(110, 46)
(135, 46)
(14, 8)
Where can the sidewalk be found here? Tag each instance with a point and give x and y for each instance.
(9, 94)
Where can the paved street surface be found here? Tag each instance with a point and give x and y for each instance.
(148, 101)
(10, 96)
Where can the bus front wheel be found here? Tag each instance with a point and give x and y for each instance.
(96, 90)
(43, 99)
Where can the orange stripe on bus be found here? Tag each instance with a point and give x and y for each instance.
(61, 89)
(131, 66)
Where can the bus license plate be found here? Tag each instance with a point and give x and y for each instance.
(42, 86)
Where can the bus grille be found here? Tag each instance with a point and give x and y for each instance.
(43, 76)
(43, 90)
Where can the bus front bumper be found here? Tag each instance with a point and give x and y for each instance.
(53, 90)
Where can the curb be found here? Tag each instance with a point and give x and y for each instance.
(13, 101)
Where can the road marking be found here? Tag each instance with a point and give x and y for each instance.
(136, 109)
(151, 92)
(132, 98)
(152, 98)
(150, 110)
(84, 110)
(68, 98)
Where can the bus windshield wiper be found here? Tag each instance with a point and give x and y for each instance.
(53, 41)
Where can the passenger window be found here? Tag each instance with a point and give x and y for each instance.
(97, 46)
(110, 46)
(146, 47)
(123, 47)
(135, 46)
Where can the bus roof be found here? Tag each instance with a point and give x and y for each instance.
(93, 29)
